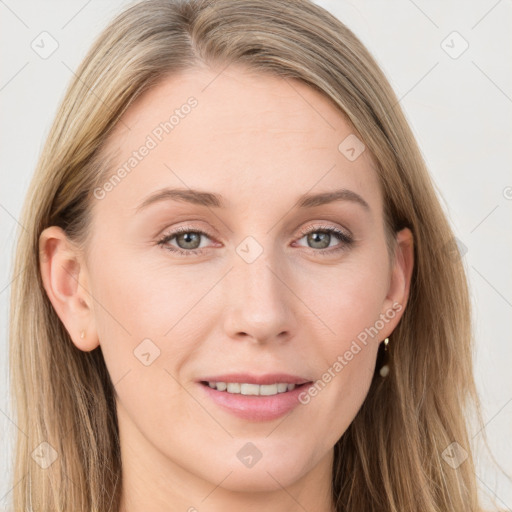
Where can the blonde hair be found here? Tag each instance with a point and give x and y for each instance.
(390, 458)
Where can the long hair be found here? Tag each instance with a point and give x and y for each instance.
(391, 456)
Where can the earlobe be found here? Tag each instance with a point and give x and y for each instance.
(65, 282)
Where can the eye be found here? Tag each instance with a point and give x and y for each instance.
(321, 238)
(188, 240)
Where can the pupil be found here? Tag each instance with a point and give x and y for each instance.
(189, 239)
(316, 238)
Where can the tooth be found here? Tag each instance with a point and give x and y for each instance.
(252, 389)
(221, 386)
(249, 389)
(268, 389)
(234, 387)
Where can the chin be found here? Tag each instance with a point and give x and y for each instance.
(270, 473)
(259, 480)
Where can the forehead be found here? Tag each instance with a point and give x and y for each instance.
(239, 133)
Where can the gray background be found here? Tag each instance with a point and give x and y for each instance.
(459, 109)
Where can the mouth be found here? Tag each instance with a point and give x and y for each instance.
(255, 402)
(251, 389)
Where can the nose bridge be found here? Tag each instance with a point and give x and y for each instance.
(259, 302)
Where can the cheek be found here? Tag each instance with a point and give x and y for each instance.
(152, 317)
(348, 298)
(136, 297)
(347, 338)
(147, 325)
(133, 309)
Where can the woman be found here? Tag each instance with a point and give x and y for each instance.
(239, 287)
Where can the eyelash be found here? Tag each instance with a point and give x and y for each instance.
(340, 235)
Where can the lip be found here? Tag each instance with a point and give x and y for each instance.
(268, 378)
(251, 407)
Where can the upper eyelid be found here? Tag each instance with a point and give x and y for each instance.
(312, 228)
(303, 231)
(187, 229)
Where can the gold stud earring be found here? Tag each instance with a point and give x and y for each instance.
(82, 335)
(384, 371)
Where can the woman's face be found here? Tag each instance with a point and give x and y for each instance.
(255, 285)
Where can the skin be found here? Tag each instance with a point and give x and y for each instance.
(261, 142)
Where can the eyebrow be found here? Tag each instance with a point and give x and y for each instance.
(210, 199)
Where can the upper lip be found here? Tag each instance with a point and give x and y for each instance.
(268, 378)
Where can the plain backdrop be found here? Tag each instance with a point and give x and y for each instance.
(450, 65)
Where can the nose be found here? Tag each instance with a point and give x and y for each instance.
(259, 302)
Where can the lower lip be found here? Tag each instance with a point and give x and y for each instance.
(256, 408)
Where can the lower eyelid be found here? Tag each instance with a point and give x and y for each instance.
(343, 238)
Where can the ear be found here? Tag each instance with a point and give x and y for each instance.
(65, 280)
(400, 281)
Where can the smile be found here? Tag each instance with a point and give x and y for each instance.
(252, 389)
(254, 402)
